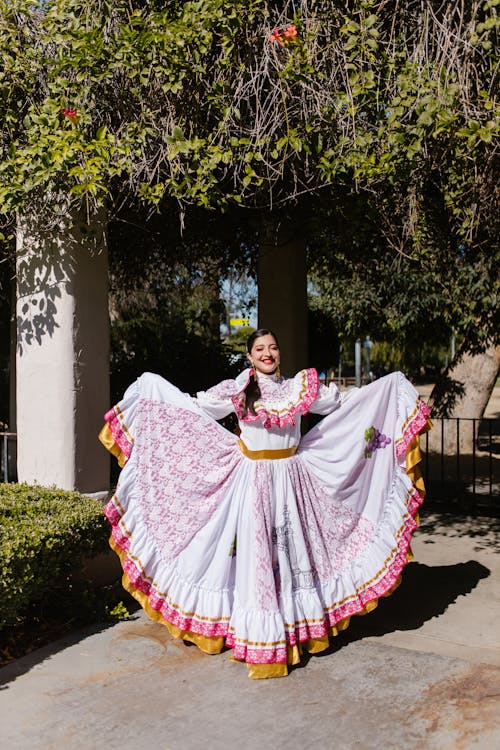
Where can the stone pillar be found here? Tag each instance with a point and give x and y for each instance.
(12, 361)
(12, 386)
(282, 280)
(62, 363)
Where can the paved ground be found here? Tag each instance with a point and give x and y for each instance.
(422, 672)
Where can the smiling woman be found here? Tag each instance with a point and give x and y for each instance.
(263, 351)
(264, 355)
(266, 542)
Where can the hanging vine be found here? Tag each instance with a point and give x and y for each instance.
(253, 103)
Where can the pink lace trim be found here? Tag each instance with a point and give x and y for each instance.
(414, 427)
(388, 580)
(271, 419)
(272, 654)
(307, 631)
(230, 388)
(259, 655)
(192, 623)
(112, 417)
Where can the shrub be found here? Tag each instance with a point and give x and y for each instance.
(45, 534)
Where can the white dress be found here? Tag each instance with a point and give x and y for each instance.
(265, 542)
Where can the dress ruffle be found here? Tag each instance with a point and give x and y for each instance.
(417, 422)
(263, 557)
(287, 407)
(282, 402)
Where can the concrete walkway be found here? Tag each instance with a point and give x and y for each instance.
(422, 672)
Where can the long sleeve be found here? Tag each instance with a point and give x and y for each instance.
(218, 401)
(215, 406)
(327, 400)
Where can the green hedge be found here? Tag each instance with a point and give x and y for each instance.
(45, 534)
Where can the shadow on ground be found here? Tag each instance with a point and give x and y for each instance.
(26, 663)
(425, 592)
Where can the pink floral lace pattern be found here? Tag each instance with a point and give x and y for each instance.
(262, 517)
(267, 654)
(178, 489)
(184, 465)
(193, 622)
(281, 399)
(119, 431)
(228, 389)
(306, 632)
(394, 569)
(252, 655)
(335, 534)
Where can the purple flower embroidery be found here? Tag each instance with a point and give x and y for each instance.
(374, 440)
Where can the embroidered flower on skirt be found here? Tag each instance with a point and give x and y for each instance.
(374, 440)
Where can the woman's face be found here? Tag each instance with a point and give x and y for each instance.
(265, 354)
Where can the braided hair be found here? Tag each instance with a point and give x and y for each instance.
(252, 391)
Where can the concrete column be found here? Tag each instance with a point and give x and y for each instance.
(12, 386)
(62, 363)
(12, 361)
(282, 280)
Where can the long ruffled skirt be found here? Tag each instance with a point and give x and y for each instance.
(264, 557)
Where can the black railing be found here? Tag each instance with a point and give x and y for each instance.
(461, 463)
(8, 469)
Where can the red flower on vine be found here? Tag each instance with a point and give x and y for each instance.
(70, 114)
(276, 37)
(283, 36)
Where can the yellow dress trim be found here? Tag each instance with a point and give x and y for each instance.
(267, 454)
(265, 671)
(204, 643)
(413, 460)
(107, 439)
(214, 645)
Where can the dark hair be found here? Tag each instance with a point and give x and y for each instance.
(252, 391)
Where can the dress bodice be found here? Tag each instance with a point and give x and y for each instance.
(276, 422)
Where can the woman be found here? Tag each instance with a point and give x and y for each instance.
(265, 543)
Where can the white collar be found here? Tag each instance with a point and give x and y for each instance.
(267, 376)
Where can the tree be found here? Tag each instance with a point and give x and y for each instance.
(262, 104)
(166, 303)
(205, 103)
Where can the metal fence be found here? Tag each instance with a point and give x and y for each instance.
(8, 457)
(465, 477)
(468, 480)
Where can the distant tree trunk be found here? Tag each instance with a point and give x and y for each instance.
(464, 391)
(282, 278)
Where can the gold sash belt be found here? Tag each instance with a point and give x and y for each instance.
(258, 455)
